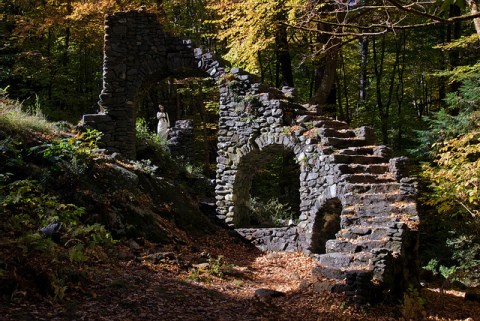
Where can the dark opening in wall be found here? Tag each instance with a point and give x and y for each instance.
(266, 189)
(326, 225)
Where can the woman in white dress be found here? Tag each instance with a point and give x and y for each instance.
(163, 123)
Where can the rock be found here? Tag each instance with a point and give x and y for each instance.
(201, 266)
(472, 294)
(53, 231)
(157, 257)
(267, 293)
(304, 284)
(323, 287)
(134, 245)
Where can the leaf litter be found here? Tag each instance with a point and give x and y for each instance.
(213, 277)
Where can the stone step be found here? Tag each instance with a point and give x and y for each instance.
(363, 150)
(353, 246)
(376, 199)
(371, 221)
(381, 210)
(326, 122)
(373, 188)
(344, 260)
(386, 209)
(364, 233)
(362, 169)
(356, 283)
(366, 178)
(343, 143)
(340, 274)
(358, 159)
(340, 133)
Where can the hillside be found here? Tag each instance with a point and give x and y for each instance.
(133, 245)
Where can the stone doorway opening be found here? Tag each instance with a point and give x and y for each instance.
(266, 189)
(326, 225)
(192, 105)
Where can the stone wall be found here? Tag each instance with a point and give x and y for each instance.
(368, 237)
(277, 239)
(181, 141)
(138, 51)
(358, 215)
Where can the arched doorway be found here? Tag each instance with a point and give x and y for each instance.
(192, 106)
(266, 189)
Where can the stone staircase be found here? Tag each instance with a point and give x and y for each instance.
(379, 209)
(341, 170)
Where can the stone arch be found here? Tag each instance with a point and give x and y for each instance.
(138, 50)
(246, 168)
(379, 221)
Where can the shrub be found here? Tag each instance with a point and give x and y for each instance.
(13, 118)
(27, 207)
(74, 154)
(270, 213)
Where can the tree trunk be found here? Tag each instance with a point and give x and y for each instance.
(400, 95)
(346, 113)
(384, 107)
(325, 73)
(362, 93)
(282, 52)
(454, 32)
(283, 56)
(474, 10)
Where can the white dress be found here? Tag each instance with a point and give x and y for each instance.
(163, 125)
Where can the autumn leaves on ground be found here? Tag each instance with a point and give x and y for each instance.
(213, 277)
(193, 271)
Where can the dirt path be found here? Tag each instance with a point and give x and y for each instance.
(191, 282)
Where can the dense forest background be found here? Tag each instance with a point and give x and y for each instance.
(409, 69)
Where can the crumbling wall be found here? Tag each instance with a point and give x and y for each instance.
(138, 51)
(375, 248)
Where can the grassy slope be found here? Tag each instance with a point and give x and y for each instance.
(51, 175)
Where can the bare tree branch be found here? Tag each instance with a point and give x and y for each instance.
(415, 12)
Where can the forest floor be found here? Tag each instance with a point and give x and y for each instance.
(145, 281)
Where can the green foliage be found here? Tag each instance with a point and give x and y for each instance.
(271, 213)
(192, 170)
(215, 267)
(74, 154)
(461, 116)
(454, 176)
(453, 179)
(447, 272)
(14, 118)
(189, 18)
(33, 208)
(59, 288)
(27, 207)
(454, 194)
(79, 146)
(195, 275)
(152, 153)
(445, 4)
(10, 158)
(413, 307)
(145, 136)
(144, 165)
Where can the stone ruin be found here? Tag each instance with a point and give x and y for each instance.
(358, 214)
